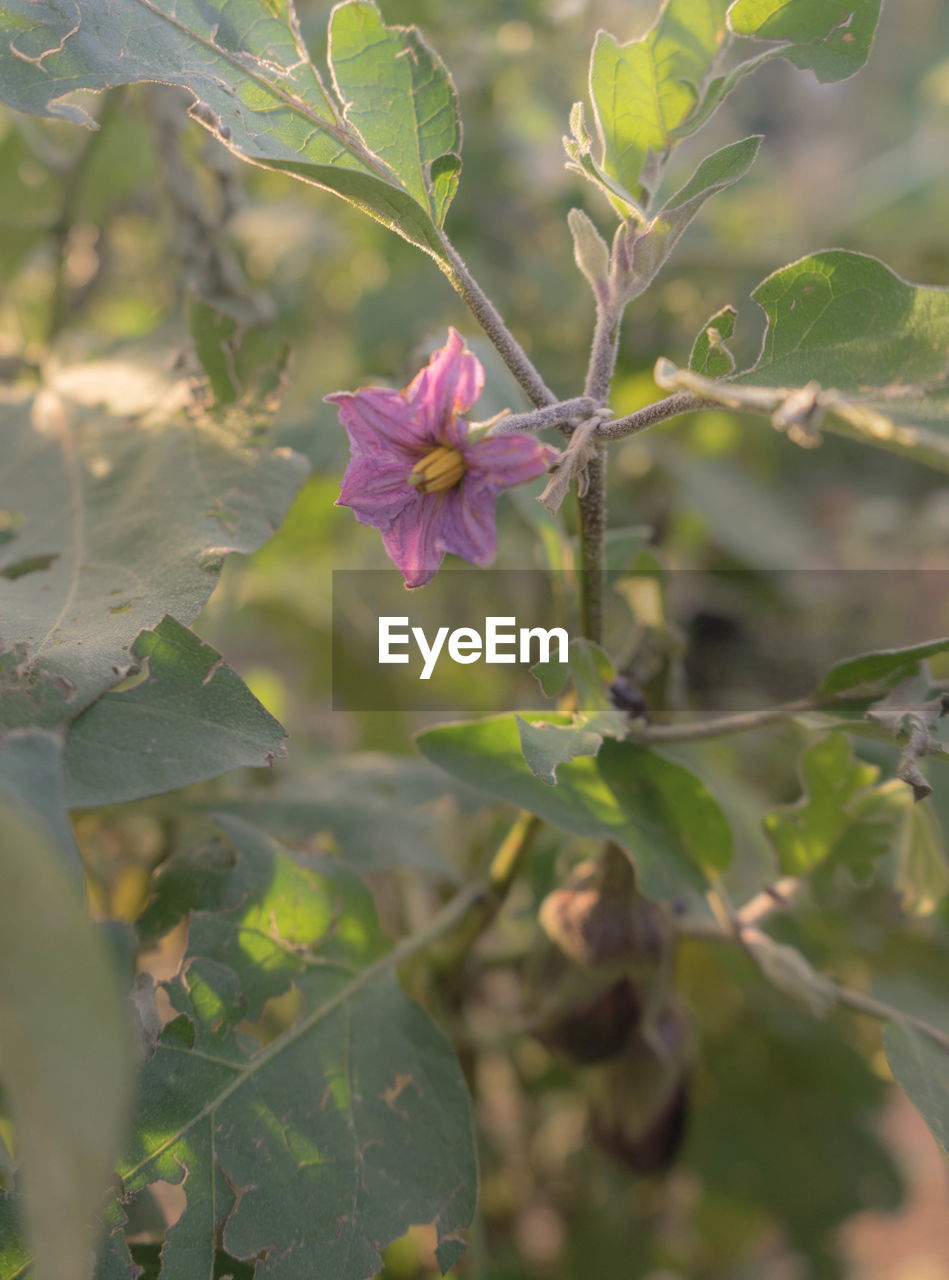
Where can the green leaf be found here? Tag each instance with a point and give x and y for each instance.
(67, 1053)
(710, 356)
(398, 95)
(657, 809)
(645, 250)
(95, 558)
(879, 669)
(31, 780)
(832, 38)
(644, 90)
(849, 346)
(191, 718)
(256, 89)
(545, 745)
(318, 1147)
(922, 1069)
(922, 873)
(841, 819)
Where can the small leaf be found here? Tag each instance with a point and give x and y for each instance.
(840, 820)
(191, 718)
(880, 668)
(832, 38)
(915, 725)
(710, 357)
(545, 745)
(67, 1050)
(645, 250)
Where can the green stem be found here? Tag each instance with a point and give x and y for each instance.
(742, 722)
(591, 509)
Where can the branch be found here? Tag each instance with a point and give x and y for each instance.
(489, 318)
(563, 414)
(652, 414)
(740, 723)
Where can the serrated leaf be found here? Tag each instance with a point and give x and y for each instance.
(710, 357)
(656, 808)
(841, 820)
(109, 559)
(257, 90)
(849, 346)
(317, 1148)
(832, 38)
(191, 718)
(67, 1065)
(646, 249)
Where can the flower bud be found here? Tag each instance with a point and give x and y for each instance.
(589, 249)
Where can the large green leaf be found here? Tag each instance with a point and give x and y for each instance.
(832, 38)
(314, 1149)
(851, 346)
(31, 780)
(117, 520)
(67, 1065)
(389, 148)
(191, 718)
(657, 809)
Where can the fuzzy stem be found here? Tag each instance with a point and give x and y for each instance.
(743, 722)
(661, 411)
(489, 318)
(592, 528)
(563, 414)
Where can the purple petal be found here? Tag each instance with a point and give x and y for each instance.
(414, 539)
(467, 527)
(449, 384)
(503, 461)
(376, 490)
(381, 423)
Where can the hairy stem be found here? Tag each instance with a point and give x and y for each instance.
(671, 407)
(489, 318)
(565, 413)
(591, 508)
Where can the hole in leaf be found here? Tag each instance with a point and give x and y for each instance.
(276, 1015)
(30, 564)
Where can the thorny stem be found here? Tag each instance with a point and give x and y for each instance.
(671, 407)
(489, 318)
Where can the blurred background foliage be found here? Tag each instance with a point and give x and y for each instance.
(107, 243)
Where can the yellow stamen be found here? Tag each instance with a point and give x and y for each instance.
(442, 468)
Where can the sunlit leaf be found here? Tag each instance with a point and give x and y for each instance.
(316, 1148)
(657, 809)
(850, 347)
(67, 1052)
(832, 38)
(255, 88)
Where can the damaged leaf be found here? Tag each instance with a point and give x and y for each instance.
(310, 1150)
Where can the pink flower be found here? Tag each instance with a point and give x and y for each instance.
(416, 476)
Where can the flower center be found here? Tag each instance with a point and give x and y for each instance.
(440, 469)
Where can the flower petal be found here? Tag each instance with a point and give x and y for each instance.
(381, 423)
(467, 524)
(449, 384)
(414, 539)
(503, 461)
(376, 491)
